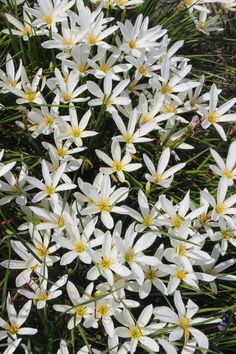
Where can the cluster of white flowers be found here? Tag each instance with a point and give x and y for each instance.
(125, 80)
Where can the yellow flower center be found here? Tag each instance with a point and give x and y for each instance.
(151, 274)
(48, 20)
(49, 190)
(80, 310)
(108, 101)
(30, 95)
(166, 89)
(211, 271)
(80, 246)
(212, 117)
(177, 221)
(142, 70)
(129, 256)
(92, 39)
(105, 68)
(12, 329)
(188, 2)
(147, 220)
(158, 178)
(181, 274)
(42, 296)
(26, 31)
(169, 108)
(220, 208)
(67, 96)
(128, 138)
(104, 205)
(42, 251)
(135, 332)
(121, 2)
(60, 222)
(106, 262)
(181, 250)
(146, 118)
(202, 26)
(192, 102)
(76, 132)
(48, 120)
(68, 42)
(117, 166)
(11, 83)
(132, 44)
(62, 151)
(102, 310)
(184, 322)
(227, 234)
(228, 173)
(82, 68)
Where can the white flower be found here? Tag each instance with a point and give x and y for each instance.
(67, 88)
(184, 322)
(103, 202)
(117, 164)
(139, 331)
(215, 270)
(15, 186)
(133, 255)
(50, 188)
(11, 77)
(48, 12)
(109, 97)
(138, 37)
(226, 235)
(15, 328)
(78, 244)
(29, 92)
(214, 116)
(7, 167)
(129, 135)
(226, 169)
(206, 25)
(107, 261)
(147, 217)
(40, 294)
(221, 206)
(159, 175)
(75, 130)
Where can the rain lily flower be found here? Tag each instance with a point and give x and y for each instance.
(11, 77)
(159, 175)
(226, 235)
(14, 327)
(110, 96)
(221, 206)
(103, 202)
(138, 332)
(50, 188)
(129, 135)
(117, 164)
(225, 169)
(184, 322)
(214, 116)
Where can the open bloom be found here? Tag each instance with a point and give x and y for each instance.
(12, 77)
(221, 206)
(184, 322)
(159, 175)
(50, 188)
(103, 202)
(214, 116)
(116, 163)
(139, 331)
(14, 327)
(109, 97)
(226, 169)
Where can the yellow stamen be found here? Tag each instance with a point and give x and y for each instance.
(128, 138)
(142, 70)
(80, 246)
(220, 208)
(104, 205)
(181, 274)
(147, 220)
(102, 310)
(135, 332)
(92, 39)
(166, 89)
(105, 68)
(212, 117)
(67, 96)
(117, 166)
(12, 329)
(42, 251)
(177, 221)
(76, 132)
(151, 274)
(228, 173)
(80, 310)
(227, 234)
(48, 20)
(132, 44)
(49, 190)
(106, 262)
(68, 42)
(48, 120)
(30, 95)
(42, 296)
(129, 256)
(181, 250)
